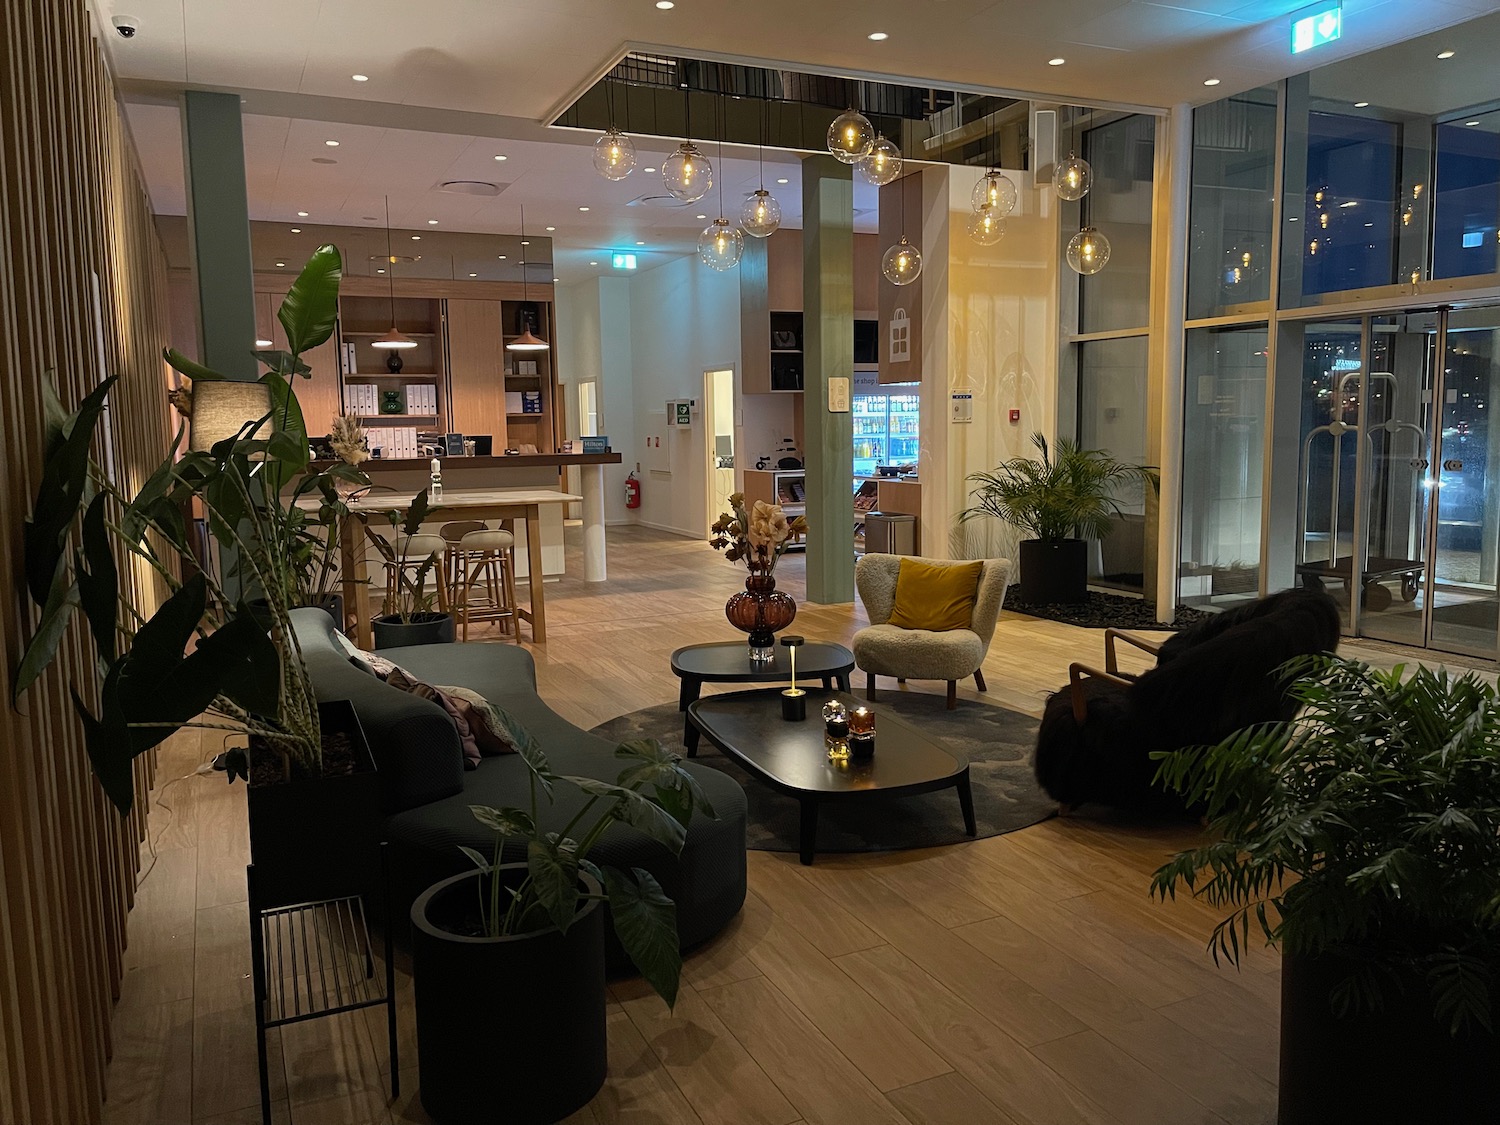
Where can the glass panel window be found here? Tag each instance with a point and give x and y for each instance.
(1351, 204)
(1223, 416)
(1112, 417)
(1122, 155)
(1466, 206)
(1234, 165)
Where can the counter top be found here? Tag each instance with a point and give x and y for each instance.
(374, 502)
(519, 461)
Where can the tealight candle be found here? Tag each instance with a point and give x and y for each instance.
(862, 721)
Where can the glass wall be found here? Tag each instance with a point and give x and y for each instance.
(1234, 185)
(1224, 406)
(1112, 417)
(1122, 155)
(1466, 200)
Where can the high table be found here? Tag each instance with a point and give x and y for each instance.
(466, 503)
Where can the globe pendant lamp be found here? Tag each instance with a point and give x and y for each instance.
(686, 174)
(761, 215)
(1072, 178)
(1088, 252)
(526, 341)
(614, 155)
(985, 226)
(720, 245)
(851, 136)
(995, 190)
(882, 164)
(902, 263)
(394, 339)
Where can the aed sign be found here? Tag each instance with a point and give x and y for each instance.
(1316, 26)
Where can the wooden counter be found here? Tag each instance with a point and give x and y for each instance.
(519, 461)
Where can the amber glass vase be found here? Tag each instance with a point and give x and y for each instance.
(761, 610)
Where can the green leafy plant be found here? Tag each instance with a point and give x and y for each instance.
(1368, 827)
(1069, 492)
(244, 672)
(411, 599)
(653, 794)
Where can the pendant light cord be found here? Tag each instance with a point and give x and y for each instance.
(525, 292)
(390, 261)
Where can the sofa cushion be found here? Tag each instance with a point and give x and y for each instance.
(486, 722)
(403, 680)
(935, 596)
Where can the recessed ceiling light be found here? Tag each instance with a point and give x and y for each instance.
(500, 256)
(702, 216)
(296, 230)
(877, 36)
(1471, 123)
(640, 244)
(665, 5)
(783, 181)
(555, 280)
(1210, 81)
(281, 265)
(650, 169)
(551, 228)
(1445, 54)
(583, 208)
(416, 238)
(473, 275)
(263, 343)
(525, 242)
(502, 158)
(593, 263)
(331, 144)
(1293, 219)
(1056, 62)
(1360, 105)
(360, 77)
(380, 271)
(301, 214)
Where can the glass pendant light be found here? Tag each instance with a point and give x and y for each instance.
(1088, 252)
(902, 263)
(882, 164)
(720, 245)
(995, 190)
(851, 136)
(687, 173)
(526, 341)
(394, 340)
(1072, 178)
(761, 215)
(985, 226)
(614, 155)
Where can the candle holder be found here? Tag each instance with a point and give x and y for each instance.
(862, 734)
(793, 698)
(836, 731)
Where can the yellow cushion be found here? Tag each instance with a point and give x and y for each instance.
(935, 596)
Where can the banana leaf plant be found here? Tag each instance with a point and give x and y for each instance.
(411, 599)
(219, 652)
(653, 794)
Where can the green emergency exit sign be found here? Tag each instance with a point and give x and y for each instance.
(1316, 26)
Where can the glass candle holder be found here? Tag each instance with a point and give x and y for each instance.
(836, 730)
(862, 721)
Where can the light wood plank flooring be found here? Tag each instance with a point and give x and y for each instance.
(1026, 979)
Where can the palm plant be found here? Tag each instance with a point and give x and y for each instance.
(1369, 827)
(1068, 493)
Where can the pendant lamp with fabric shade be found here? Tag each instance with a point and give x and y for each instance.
(526, 341)
(394, 339)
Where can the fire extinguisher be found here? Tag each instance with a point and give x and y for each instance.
(632, 491)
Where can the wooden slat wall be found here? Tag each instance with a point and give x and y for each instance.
(82, 292)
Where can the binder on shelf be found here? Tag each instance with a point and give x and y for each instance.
(531, 402)
(351, 367)
(512, 402)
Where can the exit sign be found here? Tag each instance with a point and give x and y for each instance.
(622, 261)
(1316, 26)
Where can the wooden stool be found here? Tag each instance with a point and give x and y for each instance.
(409, 554)
(453, 558)
(492, 555)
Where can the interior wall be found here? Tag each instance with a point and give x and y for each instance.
(82, 292)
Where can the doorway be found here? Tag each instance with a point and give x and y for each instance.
(718, 413)
(1398, 507)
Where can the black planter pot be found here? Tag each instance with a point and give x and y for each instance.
(425, 629)
(316, 838)
(512, 1029)
(1397, 1065)
(333, 605)
(1054, 571)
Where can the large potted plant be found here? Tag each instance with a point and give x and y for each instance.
(508, 959)
(410, 616)
(1062, 499)
(219, 651)
(1363, 838)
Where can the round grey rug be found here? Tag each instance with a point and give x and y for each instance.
(997, 742)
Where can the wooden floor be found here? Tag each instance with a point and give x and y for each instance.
(1026, 978)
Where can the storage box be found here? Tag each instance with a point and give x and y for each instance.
(531, 402)
(598, 444)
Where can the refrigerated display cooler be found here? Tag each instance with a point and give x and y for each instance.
(886, 430)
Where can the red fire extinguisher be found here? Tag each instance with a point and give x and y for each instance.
(632, 491)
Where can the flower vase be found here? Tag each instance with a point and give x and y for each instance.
(762, 611)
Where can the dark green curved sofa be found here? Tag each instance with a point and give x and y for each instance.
(427, 793)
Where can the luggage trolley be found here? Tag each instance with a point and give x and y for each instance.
(1377, 568)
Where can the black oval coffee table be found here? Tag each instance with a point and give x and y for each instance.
(790, 757)
(728, 662)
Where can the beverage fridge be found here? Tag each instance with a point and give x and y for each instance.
(885, 425)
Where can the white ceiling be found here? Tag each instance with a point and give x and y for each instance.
(453, 82)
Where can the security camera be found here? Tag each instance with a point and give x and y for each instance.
(127, 26)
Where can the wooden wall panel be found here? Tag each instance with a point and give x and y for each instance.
(476, 367)
(82, 293)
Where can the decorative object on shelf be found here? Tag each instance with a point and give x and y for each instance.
(435, 489)
(985, 226)
(761, 214)
(836, 731)
(721, 245)
(1088, 252)
(395, 338)
(1072, 177)
(687, 174)
(793, 698)
(902, 263)
(393, 362)
(391, 403)
(995, 190)
(527, 341)
(851, 136)
(882, 164)
(759, 537)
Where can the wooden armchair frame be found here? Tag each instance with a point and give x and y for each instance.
(1111, 673)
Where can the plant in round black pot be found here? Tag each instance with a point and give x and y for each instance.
(526, 942)
(1364, 839)
(1063, 499)
(409, 616)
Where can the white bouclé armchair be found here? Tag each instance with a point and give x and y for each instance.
(883, 649)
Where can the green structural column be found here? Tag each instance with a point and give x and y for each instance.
(218, 218)
(828, 353)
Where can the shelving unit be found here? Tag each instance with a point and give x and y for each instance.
(363, 320)
(787, 487)
(526, 428)
(786, 351)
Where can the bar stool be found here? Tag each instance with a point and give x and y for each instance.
(490, 554)
(408, 554)
(453, 557)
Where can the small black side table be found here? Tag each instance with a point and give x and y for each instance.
(728, 662)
